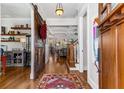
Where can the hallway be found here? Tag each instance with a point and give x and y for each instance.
(56, 65)
(60, 32)
(18, 78)
(79, 43)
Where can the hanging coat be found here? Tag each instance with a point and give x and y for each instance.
(43, 31)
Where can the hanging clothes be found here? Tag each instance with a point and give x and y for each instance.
(43, 31)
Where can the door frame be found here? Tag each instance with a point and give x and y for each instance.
(80, 37)
(85, 32)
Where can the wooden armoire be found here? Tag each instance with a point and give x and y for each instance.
(111, 44)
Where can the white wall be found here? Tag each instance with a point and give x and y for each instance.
(61, 21)
(10, 22)
(92, 73)
(92, 12)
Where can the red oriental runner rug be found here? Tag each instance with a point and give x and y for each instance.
(60, 81)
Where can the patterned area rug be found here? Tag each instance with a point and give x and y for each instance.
(60, 81)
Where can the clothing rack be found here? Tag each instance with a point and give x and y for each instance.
(36, 11)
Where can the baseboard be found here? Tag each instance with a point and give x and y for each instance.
(92, 83)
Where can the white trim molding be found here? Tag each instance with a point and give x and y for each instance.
(32, 44)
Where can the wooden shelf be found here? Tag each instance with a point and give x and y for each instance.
(110, 14)
(12, 34)
(19, 28)
(104, 8)
(10, 40)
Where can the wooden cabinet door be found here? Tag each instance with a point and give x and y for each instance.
(108, 59)
(120, 29)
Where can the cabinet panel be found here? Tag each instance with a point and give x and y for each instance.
(120, 30)
(108, 59)
(112, 47)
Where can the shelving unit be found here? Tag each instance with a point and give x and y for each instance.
(105, 10)
(20, 28)
(10, 40)
(12, 34)
(15, 39)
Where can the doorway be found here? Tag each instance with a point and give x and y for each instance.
(85, 68)
(15, 40)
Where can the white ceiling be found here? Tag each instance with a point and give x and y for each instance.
(70, 9)
(58, 32)
(22, 10)
(62, 32)
(15, 10)
(9, 10)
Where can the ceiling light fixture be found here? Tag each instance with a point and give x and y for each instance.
(59, 9)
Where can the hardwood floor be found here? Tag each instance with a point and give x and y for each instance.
(83, 77)
(18, 77)
(56, 65)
